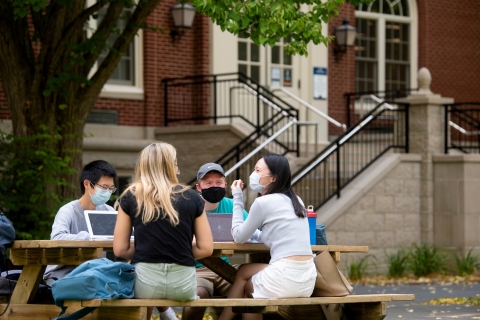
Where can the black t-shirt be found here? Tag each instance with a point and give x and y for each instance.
(160, 242)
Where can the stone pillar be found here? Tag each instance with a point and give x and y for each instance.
(426, 135)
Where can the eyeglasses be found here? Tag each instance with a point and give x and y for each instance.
(104, 188)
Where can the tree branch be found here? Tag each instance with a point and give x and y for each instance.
(90, 93)
(38, 19)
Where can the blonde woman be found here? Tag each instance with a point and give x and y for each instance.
(165, 216)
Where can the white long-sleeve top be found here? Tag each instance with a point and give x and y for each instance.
(282, 231)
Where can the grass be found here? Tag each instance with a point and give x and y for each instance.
(427, 259)
(468, 264)
(357, 270)
(398, 263)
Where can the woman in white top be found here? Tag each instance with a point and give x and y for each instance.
(281, 215)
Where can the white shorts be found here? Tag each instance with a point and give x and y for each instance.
(285, 278)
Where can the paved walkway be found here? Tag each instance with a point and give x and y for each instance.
(416, 310)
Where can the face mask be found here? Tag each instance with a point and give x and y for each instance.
(213, 194)
(100, 197)
(255, 182)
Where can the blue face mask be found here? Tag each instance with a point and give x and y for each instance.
(100, 196)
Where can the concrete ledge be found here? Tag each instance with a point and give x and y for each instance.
(449, 158)
(356, 189)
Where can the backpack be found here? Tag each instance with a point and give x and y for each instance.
(95, 279)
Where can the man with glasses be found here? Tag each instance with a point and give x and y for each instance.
(97, 183)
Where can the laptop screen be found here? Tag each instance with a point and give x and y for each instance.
(101, 223)
(221, 226)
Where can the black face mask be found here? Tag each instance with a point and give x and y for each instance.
(213, 194)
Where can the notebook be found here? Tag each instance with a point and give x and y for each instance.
(101, 224)
(221, 226)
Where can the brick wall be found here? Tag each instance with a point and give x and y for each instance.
(162, 59)
(449, 33)
(341, 73)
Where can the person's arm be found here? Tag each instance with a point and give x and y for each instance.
(242, 231)
(203, 245)
(121, 236)
(61, 227)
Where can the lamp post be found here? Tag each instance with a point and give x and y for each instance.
(344, 37)
(183, 16)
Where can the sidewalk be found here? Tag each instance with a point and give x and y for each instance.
(425, 292)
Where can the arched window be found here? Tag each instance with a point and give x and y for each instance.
(384, 52)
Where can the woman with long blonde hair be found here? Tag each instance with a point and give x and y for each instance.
(165, 216)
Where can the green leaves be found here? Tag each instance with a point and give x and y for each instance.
(21, 7)
(266, 21)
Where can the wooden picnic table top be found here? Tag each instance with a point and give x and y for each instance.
(236, 247)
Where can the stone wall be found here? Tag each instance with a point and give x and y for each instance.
(386, 218)
(457, 201)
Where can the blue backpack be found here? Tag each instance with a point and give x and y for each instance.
(94, 279)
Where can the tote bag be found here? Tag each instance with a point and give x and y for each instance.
(330, 281)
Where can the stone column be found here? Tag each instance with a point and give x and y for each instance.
(426, 135)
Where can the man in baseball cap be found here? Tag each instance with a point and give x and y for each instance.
(211, 185)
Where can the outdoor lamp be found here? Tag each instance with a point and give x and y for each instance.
(182, 15)
(344, 37)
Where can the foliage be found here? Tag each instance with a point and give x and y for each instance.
(472, 301)
(357, 270)
(427, 259)
(467, 265)
(398, 263)
(29, 169)
(268, 21)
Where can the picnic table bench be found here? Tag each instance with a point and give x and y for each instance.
(35, 255)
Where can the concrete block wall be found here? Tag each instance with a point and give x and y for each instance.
(386, 217)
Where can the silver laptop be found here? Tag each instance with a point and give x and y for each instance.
(221, 226)
(101, 224)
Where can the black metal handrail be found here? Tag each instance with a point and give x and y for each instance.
(387, 95)
(199, 99)
(462, 127)
(229, 96)
(382, 129)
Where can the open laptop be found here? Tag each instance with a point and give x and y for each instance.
(221, 226)
(101, 224)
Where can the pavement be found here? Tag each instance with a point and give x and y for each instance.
(413, 310)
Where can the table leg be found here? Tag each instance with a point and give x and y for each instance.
(220, 267)
(27, 284)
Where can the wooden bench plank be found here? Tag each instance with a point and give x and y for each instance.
(48, 311)
(244, 302)
(54, 256)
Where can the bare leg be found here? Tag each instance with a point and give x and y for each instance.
(248, 294)
(196, 313)
(149, 313)
(244, 273)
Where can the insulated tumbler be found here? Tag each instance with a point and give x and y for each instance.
(312, 223)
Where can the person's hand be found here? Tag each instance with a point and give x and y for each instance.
(237, 184)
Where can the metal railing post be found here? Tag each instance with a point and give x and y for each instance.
(215, 99)
(165, 101)
(446, 130)
(407, 130)
(338, 170)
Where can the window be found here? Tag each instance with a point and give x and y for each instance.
(248, 57)
(384, 45)
(126, 81)
(281, 64)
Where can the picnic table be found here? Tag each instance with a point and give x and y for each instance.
(35, 255)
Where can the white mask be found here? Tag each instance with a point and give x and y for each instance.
(255, 182)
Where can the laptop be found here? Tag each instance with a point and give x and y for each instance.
(101, 224)
(221, 226)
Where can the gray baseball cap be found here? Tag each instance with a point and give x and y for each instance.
(207, 167)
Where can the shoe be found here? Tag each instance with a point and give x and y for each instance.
(169, 314)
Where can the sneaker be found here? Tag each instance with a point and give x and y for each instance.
(169, 314)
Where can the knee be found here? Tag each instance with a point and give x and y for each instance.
(202, 293)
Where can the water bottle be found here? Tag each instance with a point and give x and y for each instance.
(312, 223)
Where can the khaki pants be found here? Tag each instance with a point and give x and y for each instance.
(212, 282)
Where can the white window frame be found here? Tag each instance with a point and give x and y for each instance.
(381, 19)
(118, 91)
